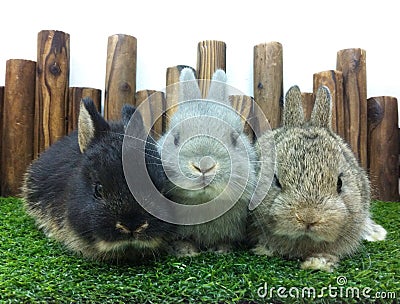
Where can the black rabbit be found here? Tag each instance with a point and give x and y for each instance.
(77, 192)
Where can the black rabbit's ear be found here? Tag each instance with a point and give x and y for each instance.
(126, 114)
(293, 115)
(321, 115)
(90, 123)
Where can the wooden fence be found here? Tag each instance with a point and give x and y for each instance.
(37, 106)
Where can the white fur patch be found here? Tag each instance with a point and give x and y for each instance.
(319, 263)
(374, 232)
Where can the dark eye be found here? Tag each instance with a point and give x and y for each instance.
(339, 183)
(176, 139)
(98, 191)
(276, 182)
(234, 137)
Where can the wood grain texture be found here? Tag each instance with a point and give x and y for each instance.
(308, 104)
(211, 56)
(383, 149)
(120, 84)
(352, 63)
(268, 80)
(151, 105)
(75, 95)
(52, 82)
(244, 105)
(172, 91)
(18, 122)
(334, 81)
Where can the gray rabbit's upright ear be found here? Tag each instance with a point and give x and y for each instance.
(293, 115)
(217, 89)
(188, 86)
(321, 115)
(90, 123)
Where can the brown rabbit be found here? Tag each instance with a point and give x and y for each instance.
(317, 208)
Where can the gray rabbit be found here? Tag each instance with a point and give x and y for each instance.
(77, 192)
(317, 208)
(210, 163)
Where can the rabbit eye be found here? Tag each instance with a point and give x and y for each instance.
(277, 183)
(339, 183)
(98, 191)
(176, 139)
(234, 138)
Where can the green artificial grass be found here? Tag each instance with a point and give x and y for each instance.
(36, 269)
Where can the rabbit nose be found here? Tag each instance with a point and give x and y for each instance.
(206, 165)
(142, 227)
(122, 228)
(308, 222)
(125, 230)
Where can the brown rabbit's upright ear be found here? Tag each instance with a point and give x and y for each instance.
(321, 115)
(90, 123)
(293, 115)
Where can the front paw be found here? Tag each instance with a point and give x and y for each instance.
(184, 249)
(374, 232)
(221, 249)
(262, 250)
(325, 262)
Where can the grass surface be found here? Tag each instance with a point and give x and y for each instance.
(36, 269)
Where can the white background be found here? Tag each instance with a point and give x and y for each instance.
(311, 33)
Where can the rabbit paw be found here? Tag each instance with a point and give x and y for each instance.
(221, 249)
(262, 250)
(325, 262)
(184, 249)
(374, 232)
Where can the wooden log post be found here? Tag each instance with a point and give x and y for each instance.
(52, 82)
(268, 80)
(151, 105)
(75, 96)
(172, 91)
(334, 81)
(18, 122)
(352, 63)
(383, 149)
(211, 56)
(1, 126)
(120, 85)
(308, 104)
(244, 105)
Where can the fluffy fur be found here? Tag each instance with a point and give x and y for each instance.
(317, 208)
(77, 193)
(204, 148)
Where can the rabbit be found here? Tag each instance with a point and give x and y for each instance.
(77, 193)
(210, 162)
(317, 208)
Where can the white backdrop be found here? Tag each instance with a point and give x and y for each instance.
(168, 32)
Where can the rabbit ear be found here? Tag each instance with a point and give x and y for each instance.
(136, 125)
(188, 86)
(90, 123)
(217, 89)
(321, 115)
(126, 114)
(293, 115)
